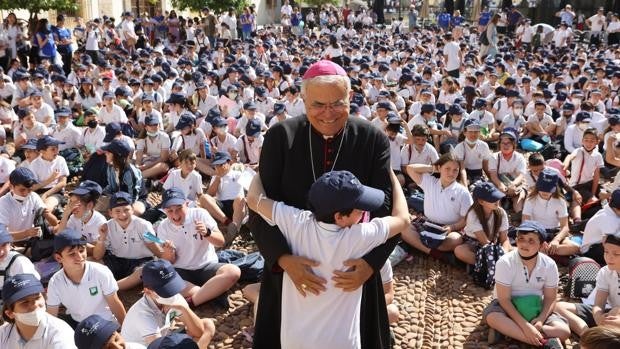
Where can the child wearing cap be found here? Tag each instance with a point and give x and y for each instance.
(23, 202)
(585, 164)
(397, 140)
(606, 307)
(152, 150)
(472, 153)
(539, 124)
(111, 112)
(95, 332)
(12, 262)
(84, 288)
(51, 172)
(605, 220)
(191, 138)
(27, 127)
(514, 119)
(64, 130)
(43, 112)
(332, 228)
(93, 134)
(154, 315)
(526, 286)
(229, 193)
(420, 152)
(248, 146)
(574, 133)
(121, 244)
(486, 222)
(507, 169)
(249, 113)
(27, 325)
(547, 206)
(123, 176)
(6, 167)
(223, 140)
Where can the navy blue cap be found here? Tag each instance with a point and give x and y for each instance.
(111, 130)
(583, 116)
(427, 108)
(68, 238)
(480, 103)
(86, 80)
(253, 128)
(47, 141)
(161, 277)
(512, 93)
(176, 98)
(472, 124)
(614, 201)
(23, 176)
(171, 197)
(279, 107)
(533, 226)
(486, 191)
(5, 236)
(120, 198)
(108, 94)
(36, 93)
(30, 144)
(510, 132)
(249, 106)
(568, 106)
(20, 286)
(384, 105)
(62, 111)
(186, 119)
(221, 157)
(94, 332)
(455, 109)
(393, 118)
(353, 108)
(260, 91)
(151, 120)
(118, 147)
(219, 122)
(338, 191)
(174, 341)
(547, 180)
(613, 119)
(87, 187)
(90, 111)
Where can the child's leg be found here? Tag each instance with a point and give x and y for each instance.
(556, 328)
(401, 179)
(225, 277)
(393, 314)
(567, 248)
(251, 293)
(412, 237)
(453, 240)
(465, 253)
(239, 210)
(157, 170)
(138, 208)
(506, 326)
(208, 203)
(569, 312)
(518, 201)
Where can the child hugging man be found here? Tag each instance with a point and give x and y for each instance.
(331, 234)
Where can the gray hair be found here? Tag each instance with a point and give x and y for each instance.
(327, 80)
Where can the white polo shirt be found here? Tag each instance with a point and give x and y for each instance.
(609, 281)
(514, 166)
(228, 144)
(472, 157)
(584, 171)
(143, 319)
(43, 113)
(52, 333)
(128, 243)
(395, 148)
(474, 225)
(6, 167)
(87, 297)
(190, 185)
(243, 147)
(152, 147)
(296, 108)
(444, 205)
(331, 319)
(410, 155)
(11, 208)
(194, 141)
(229, 187)
(92, 139)
(70, 135)
(43, 169)
(604, 221)
(545, 121)
(116, 114)
(90, 229)
(510, 272)
(193, 250)
(21, 265)
(546, 212)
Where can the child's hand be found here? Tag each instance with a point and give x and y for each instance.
(533, 335)
(200, 228)
(103, 232)
(55, 175)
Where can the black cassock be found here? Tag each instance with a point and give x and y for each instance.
(286, 172)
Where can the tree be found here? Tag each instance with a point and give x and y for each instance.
(215, 5)
(319, 3)
(36, 6)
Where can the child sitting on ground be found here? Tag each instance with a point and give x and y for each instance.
(332, 228)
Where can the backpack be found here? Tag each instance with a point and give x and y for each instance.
(415, 201)
(581, 277)
(251, 265)
(551, 150)
(484, 269)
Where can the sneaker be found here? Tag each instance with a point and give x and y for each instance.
(398, 255)
(552, 343)
(494, 337)
(221, 301)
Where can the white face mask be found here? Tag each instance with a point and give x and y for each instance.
(471, 142)
(583, 126)
(576, 101)
(518, 111)
(152, 134)
(19, 198)
(176, 299)
(32, 318)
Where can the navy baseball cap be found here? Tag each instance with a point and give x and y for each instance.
(111, 130)
(20, 286)
(427, 108)
(23, 176)
(533, 227)
(339, 191)
(186, 119)
(253, 128)
(68, 238)
(120, 198)
(510, 132)
(249, 106)
(160, 276)
(47, 141)
(174, 341)
(614, 201)
(486, 191)
(384, 105)
(30, 144)
(151, 120)
(118, 147)
(583, 116)
(613, 119)
(472, 124)
(94, 332)
(480, 103)
(455, 109)
(87, 187)
(108, 94)
(62, 111)
(148, 98)
(221, 157)
(172, 197)
(568, 106)
(279, 108)
(219, 122)
(5, 236)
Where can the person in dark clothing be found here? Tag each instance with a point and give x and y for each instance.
(296, 152)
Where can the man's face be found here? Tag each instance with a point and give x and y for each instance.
(327, 107)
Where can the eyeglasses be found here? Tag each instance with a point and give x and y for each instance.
(337, 106)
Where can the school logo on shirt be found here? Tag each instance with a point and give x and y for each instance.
(540, 279)
(93, 291)
(453, 199)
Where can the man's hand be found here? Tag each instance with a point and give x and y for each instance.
(299, 270)
(358, 273)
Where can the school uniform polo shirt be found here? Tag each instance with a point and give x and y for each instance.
(194, 141)
(514, 166)
(89, 229)
(379, 123)
(583, 165)
(70, 135)
(43, 169)
(395, 147)
(92, 139)
(545, 121)
(11, 208)
(87, 297)
(409, 154)
(510, 272)
(473, 224)
(227, 144)
(444, 205)
(190, 185)
(142, 116)
(43, 113)
(116, 114)
(609, 281)
(295, 108)
(36, 131)
(604, 221)
(128, 243)
(229, 187)
(152, 147)
(52, 333)
(6, 167)
(193, 250)
(21, 265)
(204, 105)
(472, 157)
(546, 212)
(249, 151)
(143, 319)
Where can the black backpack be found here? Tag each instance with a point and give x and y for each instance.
(581, 277)
(484, 269)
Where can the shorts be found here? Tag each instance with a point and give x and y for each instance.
(584, 312)
(227, 207)
(199, 276)
(495, 307)
(123, 267)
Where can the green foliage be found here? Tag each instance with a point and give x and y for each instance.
(216, 6)
(36, 6)
(319, 3)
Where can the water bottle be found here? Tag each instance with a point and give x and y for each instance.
(207, 150)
